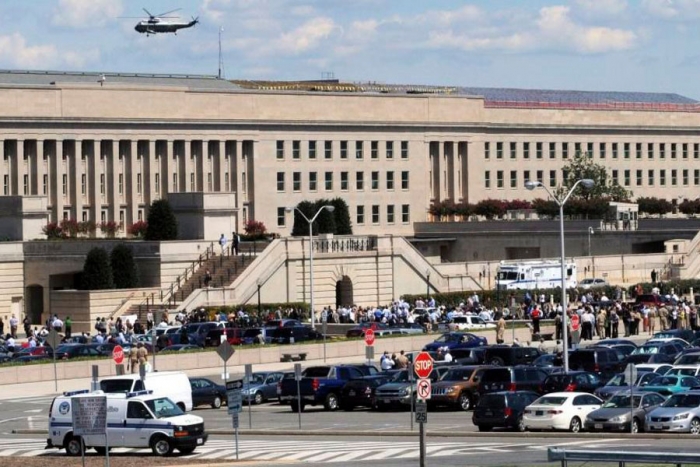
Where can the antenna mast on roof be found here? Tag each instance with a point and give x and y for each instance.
(221, 58)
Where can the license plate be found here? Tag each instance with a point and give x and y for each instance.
(539, 413)
(351, 393)
(665, 427)
(598, 426)
(200, 440)
(488, 413)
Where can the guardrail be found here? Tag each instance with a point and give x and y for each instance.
(621, 457)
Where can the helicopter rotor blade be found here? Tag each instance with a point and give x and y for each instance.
(167, 12)
(148, 13)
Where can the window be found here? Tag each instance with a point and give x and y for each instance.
(65, 184)
(602, 147)
(26, 184)
(389, 149)
(83, 183)
(487, 179)
(514, 179)
(85, 216)
(696, 177)
(627, 150)
(343, 149)
(344, 181)
(328, 150)
(673, 150)
(685, 177)
(46, 184)
(565, 150)
(540, 176)
(638, 150)
(390, 180)
(121, 184)
(359, 154)
(513, 150)
(210, 182)
(552, 178)
(662, 177)
(103, 216)
(552, 150)
(359, 180)
(140, 215)
(499, 150)
(404, 149)
(589, 149)
(487, 150)
(651, 177)
(404, 180)
(122, 215)
(650, 150)
(526, 175)
(696, 151)
(192, 182)
(280, 149)
(685, 150)
(405, 213)
(374, 149)
(329, 181)
(627, 177)
(390, 214)
(526, 150)
(296, 181)
(102, 184)
(615, 177)
(296, 149)
(313, 180)
(538, 150)
(614, 150)
(577, 148)
(662, 151)
(375, 180)
(499, 179)
(639, 178)
(281, 217)
(674, 177)
(157, 182)
(138, 183)
(375, 214)
(280, 181)
(360, 215)
(312, 149)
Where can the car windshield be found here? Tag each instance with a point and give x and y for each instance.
(683, 400)
(681, 371)
(617, 380)
(400, 377)
(447, 338)
(164, 408)
(646, 350)
(457, 375)
(664, 335)
(550, 400)
(255, 378)
(586, 281)
(621, 401)
(688, 359)
(664, 381)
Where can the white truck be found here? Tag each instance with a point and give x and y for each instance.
(536, 274)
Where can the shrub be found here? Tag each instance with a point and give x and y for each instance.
(490, 208)
(69, 227)
(653, 206)
(255, 228)
(97, 273)
(341, 215)
(162, 224)
(86, 228)
(109, 228)
(125, 273)
(53, 231)
(138, 229)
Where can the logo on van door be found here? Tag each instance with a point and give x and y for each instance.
(64, 408)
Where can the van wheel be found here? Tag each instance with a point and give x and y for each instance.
(187, 450)
(72, 446)
(161, 446)
(216, 403)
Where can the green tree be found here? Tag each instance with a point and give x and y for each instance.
(654, 206)
(324, 223)
(162, 224)
(490, 208)
(125, 272)
(97, 273)
(582, 166)
(343, 225)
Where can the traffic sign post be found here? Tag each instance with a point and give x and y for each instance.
(421, 413)
(421, 419)
(369, 336)
(225, 352)
(248, 378)
(410, 381)
(54, 339)
(631, 377)
(369, 354)
(234, 398)
(423, 389)
(297, 378)
(423, 365)
(89, 414)
(575, 329)
(324, 330)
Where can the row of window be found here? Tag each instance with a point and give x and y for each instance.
(360, 214)
(344, 180)
(312, 148)
(672, 177)
(616, 150)
(103, 215)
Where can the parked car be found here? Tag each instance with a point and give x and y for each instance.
(650, 300)
(293, 334)
(684, 370)
(199, 333)
(520, 378)
(656, 352)
(502, 409)
(67, 351)
(592, 283)
(560, 411)
(458, 387)
(505, 355)
(688, 335)
(283, 323)
(623, 350)
(470, 323)
(457, 340)
(180, 348)
(401, 390)
(680, 413)
(667, 385)
(616, 341)
(473, 356)
(614, 414)
(207, 392)
(261, 387)
(619, 383)
(658, 368)
(361, 392)
(600, 360)
(574, 381)
(689, 358)
(547, 362)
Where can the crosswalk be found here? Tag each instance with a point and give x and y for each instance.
(310, 451)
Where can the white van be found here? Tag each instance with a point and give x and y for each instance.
(174, 385)
(134, 420)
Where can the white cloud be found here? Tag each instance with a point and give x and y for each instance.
(15, 51)
(681, 10)
(86, 13)
(602, 7)
(307, 36)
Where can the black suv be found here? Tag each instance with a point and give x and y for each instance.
(473, 356)
(505, 355)
(579, 381)
(519, 378)
(600, 360)
(502, 409)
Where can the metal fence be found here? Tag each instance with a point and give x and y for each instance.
(622, 458)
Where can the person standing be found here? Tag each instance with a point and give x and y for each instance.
(653, 276)
(500, 330)
(69, 327)
(223, 241)
(149, 320)
(27, 326)
(14, 322)
(133, 359)
(142, 355)
(401, 361)
(536, 315)
(236, 239)
(2, 327)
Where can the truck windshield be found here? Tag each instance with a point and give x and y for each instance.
(507, 276)
(163, 408)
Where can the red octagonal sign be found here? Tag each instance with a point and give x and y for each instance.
(423, 365)
(369, 337)
(118, 355)
(575, 322)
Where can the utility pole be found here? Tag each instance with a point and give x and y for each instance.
(221, 60)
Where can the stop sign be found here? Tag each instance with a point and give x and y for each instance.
(423, 365)
(369, 337)
(118, 354)
(575, 322)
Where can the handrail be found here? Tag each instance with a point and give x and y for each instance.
(621, 457)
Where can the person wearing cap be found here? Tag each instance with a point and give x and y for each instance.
(133, 358)
(142, 355)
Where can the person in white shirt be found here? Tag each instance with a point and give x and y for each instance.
(99, 339)
(386, 362)
(448, 356)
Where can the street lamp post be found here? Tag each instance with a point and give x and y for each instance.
(329, 208)
(259, 304)
(587, 183)
(590, 232)
(427, 283)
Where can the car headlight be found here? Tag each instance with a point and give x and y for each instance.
(407, 390)
(452, 389)
(681, 416)
(618, 419)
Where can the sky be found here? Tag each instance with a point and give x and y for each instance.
(613, 45)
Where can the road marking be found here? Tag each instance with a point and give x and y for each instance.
(12, 419)
(33, 411)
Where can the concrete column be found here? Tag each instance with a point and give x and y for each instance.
(57, 181)
(132, 172)
(220, 167)
(202, 166)
(187, 167)
(91, 149)
(168, 169)
(455, 171)
(241, 173)
(113, 168)
(40, 168)
(441, 172)
(149, 178)
(20, 169)
(75, 168)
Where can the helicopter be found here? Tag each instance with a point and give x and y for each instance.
(155, 24)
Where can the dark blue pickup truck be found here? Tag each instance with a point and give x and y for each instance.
(320, 385)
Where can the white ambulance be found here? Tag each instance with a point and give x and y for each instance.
(134, 420)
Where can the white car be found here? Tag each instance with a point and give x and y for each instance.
(592, 283)
(560, 411)
(471, 323)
